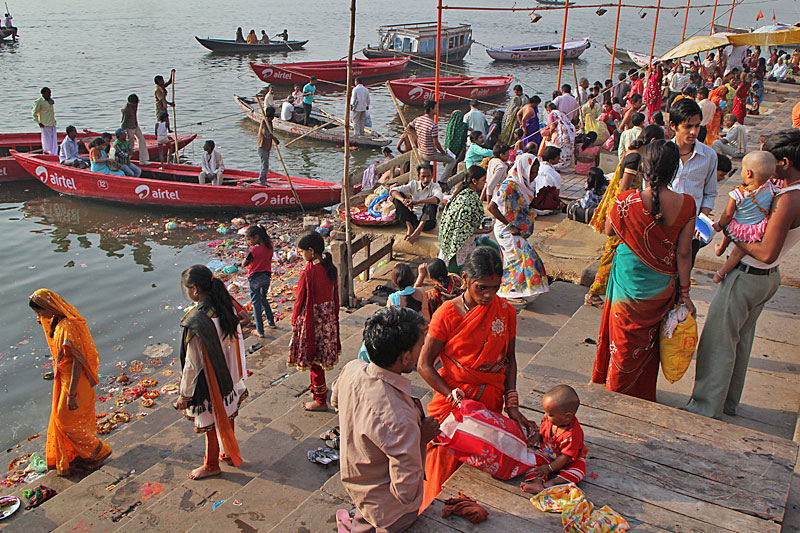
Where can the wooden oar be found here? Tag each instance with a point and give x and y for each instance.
(341, 122)
(278, 151)
(310, 132)
(405, 123)
(174, 116)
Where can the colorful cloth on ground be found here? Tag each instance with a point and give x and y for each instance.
(36, 497)
(474, 359)
(751, 215)
(630, 163)
(653, 94)
(578, 514)
(712, 130)
(315, 320)
(455, 138)
(740, 100)
(641, 291)
(461, 217)
(71, 434)
(563, 137)
(524, 275)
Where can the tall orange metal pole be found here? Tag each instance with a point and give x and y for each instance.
(655, 27)
(563, 40)
(685, 20)
(438, 58)
(614, 53)
(713, 17)
(730, 19)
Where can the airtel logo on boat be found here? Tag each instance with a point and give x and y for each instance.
(143, 191)
(418, 93)
(268, 72)
(55, 179)
(263, 198)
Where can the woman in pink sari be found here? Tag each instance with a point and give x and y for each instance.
(653, 92)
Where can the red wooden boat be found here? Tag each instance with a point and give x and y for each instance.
(289, 73)
(177, 186)
(10, 169)
(459, 89)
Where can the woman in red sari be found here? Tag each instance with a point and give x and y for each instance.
(656, 227)
(740, 100)
(716, 96)
(474, 337)
(653, 92)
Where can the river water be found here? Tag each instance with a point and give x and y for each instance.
(112, 262)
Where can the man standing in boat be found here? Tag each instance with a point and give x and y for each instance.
(130, 122)
(265, 140)
(160, 95)
(44, 115)
(359, 105)
(308, 99)
(424, 131)
(8, 25)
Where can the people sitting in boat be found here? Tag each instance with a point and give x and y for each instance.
(284, 35)
(212, 165)
(297, 96)
(264, 38)
(100, 161)
(548, 183)
(252, 38)
(417, 203)
(287, 109)
(240, 36)
(121, 151)
(476, 152)
(269, 97)
(68, 151)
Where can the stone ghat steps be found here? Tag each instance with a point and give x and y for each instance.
(152, 452)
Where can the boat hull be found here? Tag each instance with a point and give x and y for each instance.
(451, 90)
(449, 55)
(331, 135)
(326, 71)
(11, 170)
(183, 194)
(572, 50)
(233, 47)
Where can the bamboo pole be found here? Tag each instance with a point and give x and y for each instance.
(614, 53)
(685, 20)
(438, 73)
(655, 27)
(563, 40)
(312, 130)
(278, 151)
(404, 121)
(174, 116)
(730, 19)
(351, 295)
(578, 92)
(713, 18)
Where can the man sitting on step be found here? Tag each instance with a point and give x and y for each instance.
(417, 203)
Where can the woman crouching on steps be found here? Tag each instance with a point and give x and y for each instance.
(211, 387)
(315, 344)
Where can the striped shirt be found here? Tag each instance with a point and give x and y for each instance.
(427, 130)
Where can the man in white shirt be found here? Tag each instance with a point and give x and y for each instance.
(583, 91)
(287, 109)
(68, 151)
(678, 81)
(708, 108)
(734, 143)
(417, 203)
(475, 119)
(566, 103)
(212, 165)
(359, 105)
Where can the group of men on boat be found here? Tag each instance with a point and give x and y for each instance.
(252, 38)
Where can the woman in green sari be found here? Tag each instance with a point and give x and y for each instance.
(460, 228)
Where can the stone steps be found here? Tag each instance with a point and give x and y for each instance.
(163, 446)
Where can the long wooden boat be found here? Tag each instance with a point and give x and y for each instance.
(176, 186)
(333, 132)
(233, 47)
(10, 169)
(552, 2)
(631, 57)
(620, 55)
(289, 73)
(540, 52)
(418, 39)
(8, 32)
(454, 89)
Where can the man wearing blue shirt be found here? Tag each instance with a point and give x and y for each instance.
(475, 119)
(68, 151)
(308, 98)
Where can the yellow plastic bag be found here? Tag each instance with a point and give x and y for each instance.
(677, 343)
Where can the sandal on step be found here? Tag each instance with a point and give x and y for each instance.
(332, 443)
(330, 453)
(344, 521)
(593, 300)
(330, 434)
(319, 457)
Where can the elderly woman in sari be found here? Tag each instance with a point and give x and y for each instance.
(72, 433)
(524, 276)
(474, 336)
(656, 227)
(211, 387)
(460, 226)
(561, 134)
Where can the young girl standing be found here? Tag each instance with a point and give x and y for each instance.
(315, 344)
(259, 274)
(162, 136)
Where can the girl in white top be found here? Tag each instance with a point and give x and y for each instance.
(162, 135)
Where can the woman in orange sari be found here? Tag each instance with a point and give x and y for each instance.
(716, 96)
(655, 227)
(72, 434)
(474, 337)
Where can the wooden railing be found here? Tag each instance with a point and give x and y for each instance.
(362, 243)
